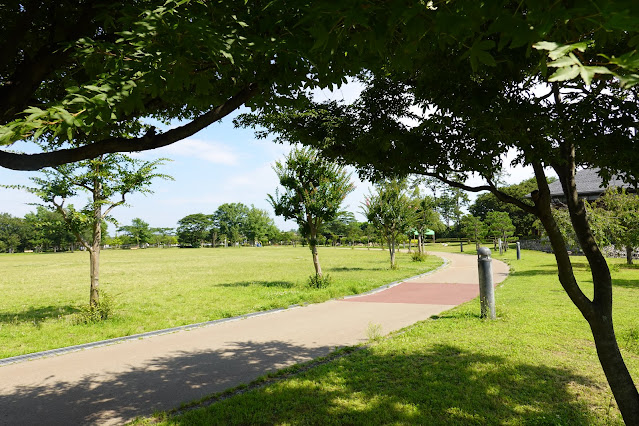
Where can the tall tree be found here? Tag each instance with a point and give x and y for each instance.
(230, 219)
(391, 211)
(138, 231)
(49, 230)
(108, 179)
(193, 229)
(14, 233)
(313, 191)
(259, 226)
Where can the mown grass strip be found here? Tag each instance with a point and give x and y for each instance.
(157, 289)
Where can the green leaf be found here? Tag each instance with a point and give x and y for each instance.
(565, 61)
(545, 45)
(565, 73)
(486, 58)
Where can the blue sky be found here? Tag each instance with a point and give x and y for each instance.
(220, 164)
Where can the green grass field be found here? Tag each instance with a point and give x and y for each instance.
(160, 288)
(536, 364)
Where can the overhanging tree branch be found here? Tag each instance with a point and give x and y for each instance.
(489, 187)
(150, 140)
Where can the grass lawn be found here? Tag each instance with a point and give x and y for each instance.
(536, 364)
(160, 288)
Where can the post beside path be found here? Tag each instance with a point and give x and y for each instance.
(486, 288)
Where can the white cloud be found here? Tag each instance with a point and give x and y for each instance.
(210, 151)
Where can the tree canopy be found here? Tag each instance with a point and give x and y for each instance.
(423, 113)
(80, 79)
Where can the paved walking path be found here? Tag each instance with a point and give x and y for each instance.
(115, 383)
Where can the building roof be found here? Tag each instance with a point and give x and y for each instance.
(589, 184)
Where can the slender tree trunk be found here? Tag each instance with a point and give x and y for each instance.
(420, 243)
(391, 250)
(312, 243)
(629, 255)
(94, 249)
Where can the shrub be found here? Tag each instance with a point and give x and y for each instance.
(319, 281)
(95, 313)
(418, 257)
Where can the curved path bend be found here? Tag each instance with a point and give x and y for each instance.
(116, 383)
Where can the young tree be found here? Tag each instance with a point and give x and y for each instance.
(500, 226)
(138, 231)
(390, 210)
(473, 228)
(193, 229)
(313, 191)
(108, 179)
(426, 217)
(450, 204)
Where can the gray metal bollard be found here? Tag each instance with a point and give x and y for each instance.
(486, 289)
(518, 251)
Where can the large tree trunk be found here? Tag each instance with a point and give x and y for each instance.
(598, 312)
(629, 255)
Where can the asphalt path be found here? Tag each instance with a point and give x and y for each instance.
(114, 383)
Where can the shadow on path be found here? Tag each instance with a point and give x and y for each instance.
(163, 383)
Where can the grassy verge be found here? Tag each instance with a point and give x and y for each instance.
(536, 364)
(161, 288)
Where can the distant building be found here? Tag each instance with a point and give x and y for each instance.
(589, 185)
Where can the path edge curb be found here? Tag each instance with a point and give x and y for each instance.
(149, 334)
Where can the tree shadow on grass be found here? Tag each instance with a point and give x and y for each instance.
(347, 269)
(161, 383)
(439, 385)
(633, 284)
(534, 272)
(277, 283)
(36, 315)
